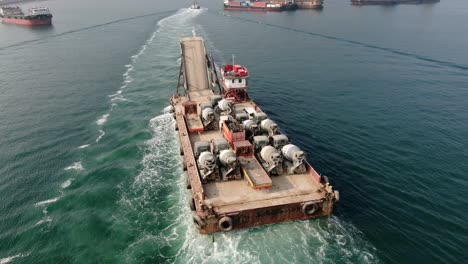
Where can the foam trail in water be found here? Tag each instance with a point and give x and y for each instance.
(101, 134)
(47, 219)
(66, 183)
(101, 121)
(127, 80)
(9, 259)
(168, 109)
(144, 194)
(47, 202)
(75, 166)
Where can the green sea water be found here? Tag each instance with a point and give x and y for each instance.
(90, 170)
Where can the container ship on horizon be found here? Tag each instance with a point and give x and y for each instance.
(37, 16)
(260, 5)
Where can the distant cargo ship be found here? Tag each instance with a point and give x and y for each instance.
(309, 4)
(391, 2)
(260, 5)
(36, 16)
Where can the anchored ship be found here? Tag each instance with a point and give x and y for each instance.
(279, 5)
(241, 170)
(309, 4)
(36, 16)
(391, 2)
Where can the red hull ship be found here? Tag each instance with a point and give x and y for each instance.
(37, 16)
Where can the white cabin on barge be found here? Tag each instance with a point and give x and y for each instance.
(235, 82)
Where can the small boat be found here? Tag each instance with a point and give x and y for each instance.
(195, 5)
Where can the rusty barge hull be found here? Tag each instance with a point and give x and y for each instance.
(255, 198)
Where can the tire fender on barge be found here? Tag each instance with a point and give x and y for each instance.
(225, 223)
(310, 208)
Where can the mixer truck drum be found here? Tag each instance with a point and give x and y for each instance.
(250, 125)
(225, 105)
(269, 126)
(208, 114)
(207, 160)
(225, 223)
(227, 157)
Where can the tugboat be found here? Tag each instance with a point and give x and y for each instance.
(242, 171)
(195, 5)
(36, 16)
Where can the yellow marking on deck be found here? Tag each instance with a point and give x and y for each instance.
(266, 185)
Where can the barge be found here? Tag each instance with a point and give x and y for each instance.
(241, 170)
